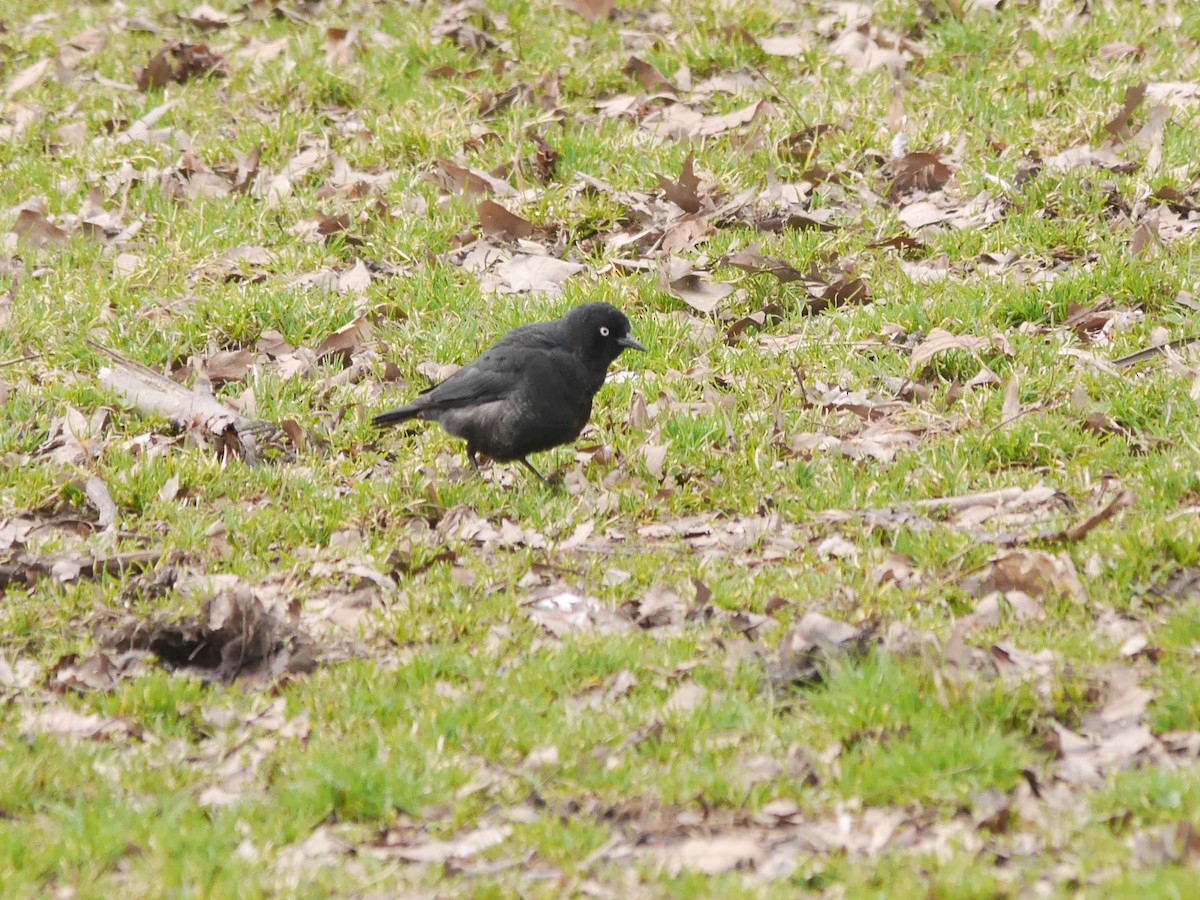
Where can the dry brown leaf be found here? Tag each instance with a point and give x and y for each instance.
(711, 126)
(344, 342)
(35, 229)
(990, 610)
(80, 726)
(177, 61)
(20, 673)
(1120, 49)
(1010, 408)
(26, 570)
(686, 234)
(939, 341)
(805, 647)
(920, 171)
(1033, 572)
(245, 263)
(675, 276)
(99, 672)
(354, 280)
(685, 698)
(227, 365)
(526, 273)
(462, 847)
(899, 570)
(97, 492)
(1120, 125)
(866, 47)
(590, 10)
(73, 437)
(454, 179)
(648, 77)
(1113, 736)
(714, 855)
(1144, 236)
(786, 45)
(276, 186)
(658, 608)
(676, 121)
(1177, 93)
(836, 287)
(342, 45)
(751, 260)
(560, 612)
(684, 193)
(205, 18)
(497, 221)
(28, 77)
(262, 50)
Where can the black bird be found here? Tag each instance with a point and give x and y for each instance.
(531, 390)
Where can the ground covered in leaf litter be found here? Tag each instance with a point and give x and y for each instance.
(878, 573)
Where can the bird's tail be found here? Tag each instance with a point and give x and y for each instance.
(396, 416)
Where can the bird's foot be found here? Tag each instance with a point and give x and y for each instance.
(523, 461)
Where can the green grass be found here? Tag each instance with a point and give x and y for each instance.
(445, 695)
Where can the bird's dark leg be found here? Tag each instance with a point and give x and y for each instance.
(471, 460)
(523, 461)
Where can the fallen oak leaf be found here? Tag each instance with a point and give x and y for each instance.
(528, 272)
(590, 10)
(1032, 572)
(205, 18)
(846, 287)
(455, 179)
(35, 229)
(688, 233)
(436, 851)
(939, 341)
(346, 340)
(227, 365)
(920, 171)
(27, 570)
(28, 77)
(714, 855)
(711, 126)
(1119, 125)
(82, 726)
(177, 61)
(97, 492)
(497, 221)
(751, 260)
(684, 193)
(675, 276)
(648, 77)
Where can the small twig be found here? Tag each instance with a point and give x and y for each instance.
(1077, 531)
(1036, 407)
(787, 101)
(1157, 349)
(13, 362)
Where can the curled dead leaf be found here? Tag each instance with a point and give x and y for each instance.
(940, 341)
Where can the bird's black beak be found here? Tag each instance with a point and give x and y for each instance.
(631, 342)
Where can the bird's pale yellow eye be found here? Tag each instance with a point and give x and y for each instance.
(603, 331)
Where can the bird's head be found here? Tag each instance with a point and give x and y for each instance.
(601, 330)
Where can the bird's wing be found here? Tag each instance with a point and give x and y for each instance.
(493, 376)
(498, 372)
